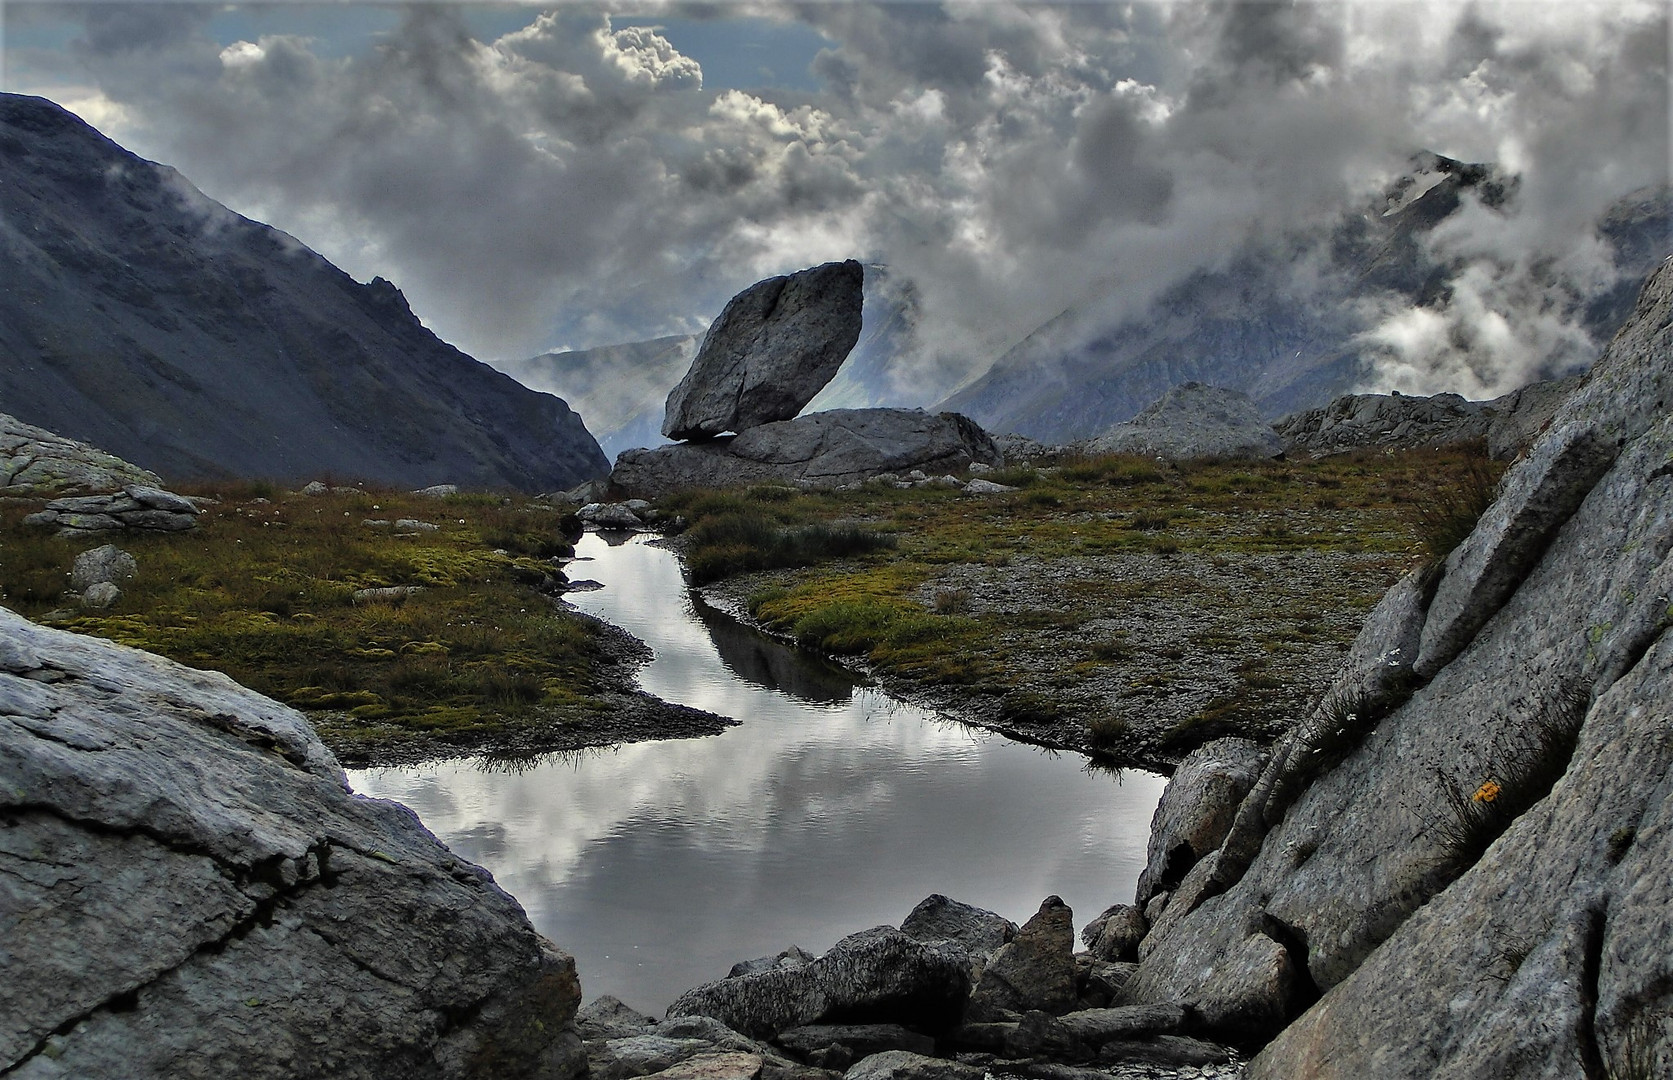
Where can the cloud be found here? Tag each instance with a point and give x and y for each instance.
(576, 183)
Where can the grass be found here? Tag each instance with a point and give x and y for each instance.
(900, 602)
(263, 590)
(1449, 512)
(1523, 767)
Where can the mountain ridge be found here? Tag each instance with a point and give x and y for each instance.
(144, 317)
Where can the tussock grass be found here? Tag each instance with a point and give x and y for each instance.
(262, 590)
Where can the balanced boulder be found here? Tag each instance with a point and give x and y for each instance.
(774, 346)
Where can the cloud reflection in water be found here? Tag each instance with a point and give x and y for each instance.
(830, 809)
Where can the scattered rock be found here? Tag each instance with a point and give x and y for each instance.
(100, 595)
(315, 488)
(606, 1017)
(612, 515)
(1193, 421)
(1115, 935)
(774, 346)
(979, 486)
(825, 449)
(104, 564)
(790, 959)
(388, 594)
(1035, 971)
(878, 974)
(837, 1046)
(413, 525)
(905, 1065)
(980, 933)
(437, 491)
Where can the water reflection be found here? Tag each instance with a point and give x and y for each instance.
(750, 654)
(830, 809)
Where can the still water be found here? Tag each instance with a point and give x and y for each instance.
(830, 809)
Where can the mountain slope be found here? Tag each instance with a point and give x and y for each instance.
(141, 316)
(1280, 320)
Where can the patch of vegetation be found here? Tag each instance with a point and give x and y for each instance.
(264, 590)
(1525, 765)
(1447, 513)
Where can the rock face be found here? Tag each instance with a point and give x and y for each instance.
(187, 888)
(149, 320)
(135, 507)
(34, 460)
(774, 346)
(1196, 810)
(1193, 421)
(826, 449)
(1472, 880)
(1508, 424)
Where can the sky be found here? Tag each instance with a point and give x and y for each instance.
(546, 177)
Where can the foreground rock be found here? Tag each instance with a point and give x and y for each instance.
(774, 346)
(1465, 874)
(188, 888)
(34, 460)
(137, 508)
(826, 449)
(1193, 421)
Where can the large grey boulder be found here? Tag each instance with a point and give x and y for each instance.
(188, 888)
(35, 460)
(774, 346)
(1473, 887)
(825, 449)
(1193, 421)
(1196, 810)
(875, 976)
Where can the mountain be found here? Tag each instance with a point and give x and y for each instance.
(141, 316)
(1266, 324)
(623, 389)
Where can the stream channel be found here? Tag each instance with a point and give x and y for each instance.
(831, 808)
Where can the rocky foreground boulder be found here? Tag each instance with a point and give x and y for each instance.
(824, 449)
(774, 346)
(1193, 420)
(1461, 869)
(187, 889)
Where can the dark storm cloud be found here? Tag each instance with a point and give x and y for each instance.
(576, 183)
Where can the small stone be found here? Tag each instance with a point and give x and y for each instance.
(413, 525)
(100, 595)
(437, 491)
(314, 488)
(978, 486)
